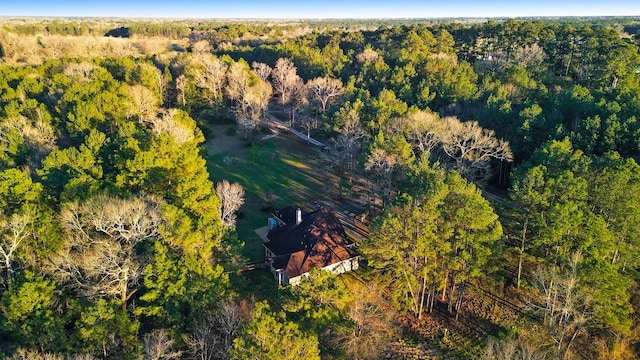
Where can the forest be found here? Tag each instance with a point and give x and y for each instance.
(498, 161)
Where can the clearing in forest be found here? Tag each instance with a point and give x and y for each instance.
(276, 172)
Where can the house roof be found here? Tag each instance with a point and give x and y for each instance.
(287, 214)
(318, 241)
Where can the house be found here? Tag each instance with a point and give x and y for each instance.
(298, 242)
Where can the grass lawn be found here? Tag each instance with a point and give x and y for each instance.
(279, 172)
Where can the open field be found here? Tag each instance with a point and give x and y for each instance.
(275, 173)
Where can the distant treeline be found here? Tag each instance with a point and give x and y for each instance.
(176, 29)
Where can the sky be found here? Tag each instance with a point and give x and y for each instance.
(317, 9)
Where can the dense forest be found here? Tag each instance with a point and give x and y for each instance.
(498, 160)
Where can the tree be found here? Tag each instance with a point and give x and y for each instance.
(13, 231)
(181, 86)
(157, 345)
(371, 327)
(261, 70)
(180, 285)
(32, 314)
(99, 258)
(271, 336)
(208, 73)
(425, 131)
(472, 148)
(175, 123)
(436, 239)
(383, 165)
(285, 80)
(237, 89)
(144, 103)
(324, 90)
(345, 149)
(320, 303)
(565, 307)
(106, 329)
(231, 199)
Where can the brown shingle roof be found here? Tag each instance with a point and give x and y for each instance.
(317, 242)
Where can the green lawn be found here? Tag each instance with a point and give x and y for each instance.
(283, 173)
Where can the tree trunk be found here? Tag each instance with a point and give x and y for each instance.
(524, 235)
(463, 287)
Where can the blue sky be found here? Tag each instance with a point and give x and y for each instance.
(317, 9)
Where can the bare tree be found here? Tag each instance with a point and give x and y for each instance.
(28, 354)
(181, 86)
(285, 79)
(383, 165)
(298, 99)
(80, 71)
(472, 148)
(201, 47)
(157, 345)
(372, 325)
(520, 348)
(424, 130)
(250, 98)
(261, 70)
(208, 74)
(13, 231)
(346, 147)
(566, 309)
(231, 199)
(228, 322)
(324, 90)
(144, 103)
(530, 56)
(167, 122)
(237, 89)
(367, 55)
(99, 257)
(259, 98)
(203, 343)
(37, 133)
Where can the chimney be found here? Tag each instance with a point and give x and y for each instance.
(298, 216)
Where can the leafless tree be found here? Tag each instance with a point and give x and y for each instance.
(367, 55)
(228, 322)
(79, 71)
(472, 148)
(13, 231)
(157, 345)
(324, 90)
(513, 349)
(285, 80)
(208, 73)
(261, 70)
(259, 98)
(231, 199)
(372, 325)
(424, 130)
(37, 133)
(345, 148)
(181, 86)
(144, 103)
(201, 47)
(237, 89)
(27, 354)
(383, 165)
(298, 99)
(203, 343)
(566, 308)
(528, 56)
(166, 122)
(99, 258)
